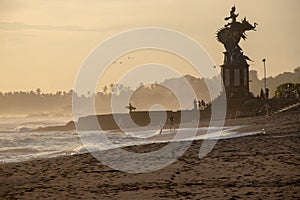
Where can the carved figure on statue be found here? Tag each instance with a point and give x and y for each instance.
(230, 36)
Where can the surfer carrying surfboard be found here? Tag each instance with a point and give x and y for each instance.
(172, 122)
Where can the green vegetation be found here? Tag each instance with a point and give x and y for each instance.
(287, 90)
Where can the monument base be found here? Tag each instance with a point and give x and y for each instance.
(236, 80)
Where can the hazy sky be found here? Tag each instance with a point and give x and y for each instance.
(44, 42)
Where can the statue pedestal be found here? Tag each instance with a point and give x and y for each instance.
(236, 80)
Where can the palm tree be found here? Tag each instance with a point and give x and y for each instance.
(105, 88)
(38, 91)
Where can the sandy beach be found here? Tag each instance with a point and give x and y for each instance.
(262, 166)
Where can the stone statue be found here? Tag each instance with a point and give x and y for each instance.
(230, 36)
(232, 16)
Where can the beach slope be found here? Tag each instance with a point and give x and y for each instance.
(263, 166)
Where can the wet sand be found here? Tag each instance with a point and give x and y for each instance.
(263, 166)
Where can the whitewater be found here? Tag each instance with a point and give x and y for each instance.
(19, 143)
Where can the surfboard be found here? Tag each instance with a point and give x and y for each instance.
(128, 107)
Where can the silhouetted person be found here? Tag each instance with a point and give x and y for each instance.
(195, 104)
(130, 107)
(172, 123)
(199, 105)
(262, 95)
(267, 93)
(203, 104)
(161, 127)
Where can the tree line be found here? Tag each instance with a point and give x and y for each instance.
(60, 102)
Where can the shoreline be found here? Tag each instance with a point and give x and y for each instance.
(258, 166)
(228, 132)
(238, 125)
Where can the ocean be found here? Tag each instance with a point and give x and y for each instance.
(19, 143)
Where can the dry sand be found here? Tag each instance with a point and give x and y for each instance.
(264, 166)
